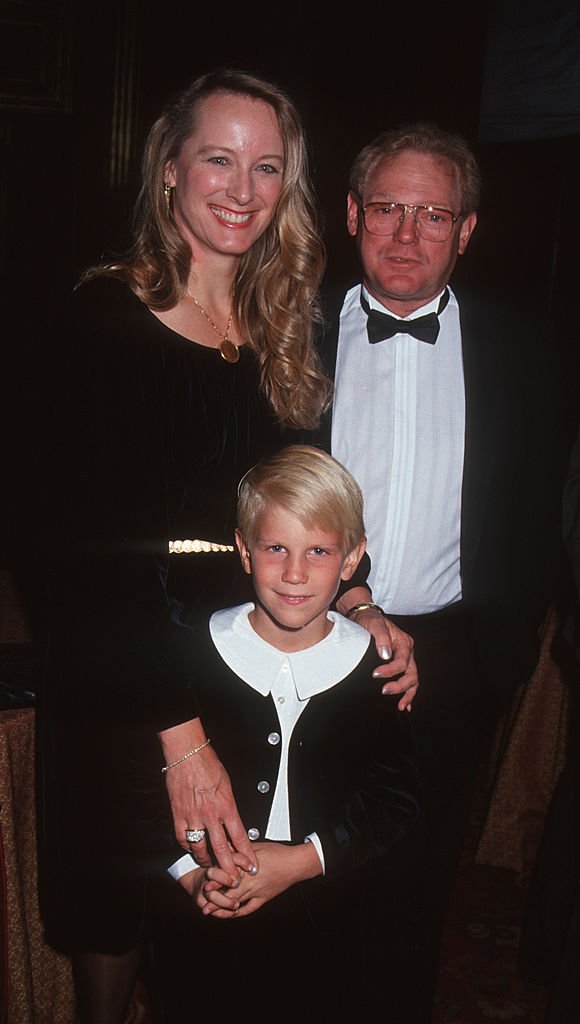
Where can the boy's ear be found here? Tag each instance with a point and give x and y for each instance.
(351, 561)
(244, 553)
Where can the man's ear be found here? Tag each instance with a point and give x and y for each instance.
(244, 553)
(351, 561)
(466, 231)
(352, 214)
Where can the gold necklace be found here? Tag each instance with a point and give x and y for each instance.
(228, 349)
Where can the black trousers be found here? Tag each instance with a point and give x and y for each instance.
(412, 888)
(279, 962)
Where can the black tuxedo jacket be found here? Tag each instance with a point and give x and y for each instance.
(511, 480)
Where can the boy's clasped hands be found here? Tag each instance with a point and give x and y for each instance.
(280, 866)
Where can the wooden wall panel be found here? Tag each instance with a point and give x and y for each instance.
(35, 44)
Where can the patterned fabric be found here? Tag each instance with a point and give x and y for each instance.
(39, 980)
(39, 987)
(523, 785)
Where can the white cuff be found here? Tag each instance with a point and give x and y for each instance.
(313, 838)
(182, 866)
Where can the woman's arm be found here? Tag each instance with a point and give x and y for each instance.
(116, 655)
(201, 797)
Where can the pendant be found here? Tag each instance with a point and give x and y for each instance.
(229, 351)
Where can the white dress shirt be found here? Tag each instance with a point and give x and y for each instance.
(292, 679)
(399, 427)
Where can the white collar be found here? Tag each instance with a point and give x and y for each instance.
(258, 663)
(429, 307)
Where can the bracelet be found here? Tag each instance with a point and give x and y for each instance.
(362, 607)
(195, 750)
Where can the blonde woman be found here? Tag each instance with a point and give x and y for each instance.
(175, 369)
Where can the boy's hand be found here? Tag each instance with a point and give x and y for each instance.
(217, 882)
(280, 867)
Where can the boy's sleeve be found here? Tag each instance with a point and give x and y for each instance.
(382, 802)
(182, 866)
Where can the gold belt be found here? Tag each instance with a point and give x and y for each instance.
(196, 547)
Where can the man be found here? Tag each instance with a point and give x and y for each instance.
(446, 432)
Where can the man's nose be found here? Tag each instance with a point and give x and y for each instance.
(406, 232)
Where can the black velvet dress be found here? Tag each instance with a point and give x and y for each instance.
(145, 440)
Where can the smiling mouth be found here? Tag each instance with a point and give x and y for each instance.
(294, 598)
(230, 217)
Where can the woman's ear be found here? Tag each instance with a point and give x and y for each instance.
(169, 173)
(244, 551)
(352, 559)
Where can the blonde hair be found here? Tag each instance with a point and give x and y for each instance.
(276, 288)
(310, 484)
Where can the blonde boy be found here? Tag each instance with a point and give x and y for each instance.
(322, 764)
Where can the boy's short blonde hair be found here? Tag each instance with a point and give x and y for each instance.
(311, 484)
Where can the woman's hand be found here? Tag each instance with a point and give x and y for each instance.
(394, 646)
(201, 797)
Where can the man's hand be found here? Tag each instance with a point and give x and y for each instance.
(201, 797)
(394, 646)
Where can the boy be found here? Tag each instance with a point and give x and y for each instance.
(322, 764)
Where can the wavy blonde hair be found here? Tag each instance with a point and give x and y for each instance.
(276, 287)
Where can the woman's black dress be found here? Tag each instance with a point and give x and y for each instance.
(146, 436)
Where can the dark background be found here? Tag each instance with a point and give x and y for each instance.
(80, 82)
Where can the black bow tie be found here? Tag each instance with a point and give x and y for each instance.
(381, 326)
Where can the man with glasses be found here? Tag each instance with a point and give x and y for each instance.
(440, 413)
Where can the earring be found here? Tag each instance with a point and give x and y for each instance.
(167, 190)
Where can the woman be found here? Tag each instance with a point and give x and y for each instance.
(191, 358)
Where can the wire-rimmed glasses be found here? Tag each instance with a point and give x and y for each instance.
(433, 222)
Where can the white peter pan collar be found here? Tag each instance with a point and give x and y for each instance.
(258, 663)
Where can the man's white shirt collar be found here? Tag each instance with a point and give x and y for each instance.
(429, 307)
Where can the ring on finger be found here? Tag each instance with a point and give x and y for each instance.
(194, 835)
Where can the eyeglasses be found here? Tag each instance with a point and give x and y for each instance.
(433, 223)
